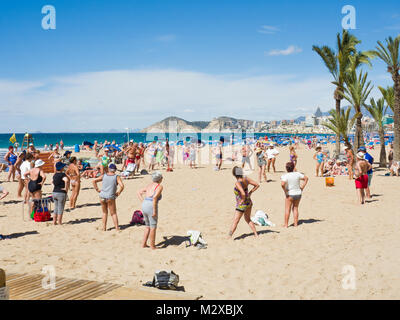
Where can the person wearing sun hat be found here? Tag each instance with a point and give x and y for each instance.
(361, 168)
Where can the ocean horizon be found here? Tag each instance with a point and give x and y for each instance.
(71, 139)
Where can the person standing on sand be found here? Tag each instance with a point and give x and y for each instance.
(74, 176)
(261, 165)
(361, 168)
(246, 153)
(218, 155)
(370, 172)
(243, 200)
(290, 183)
(37, 177)
(60, 190)
(108, 194)
(320, 157)
(24, 168)
(11, 159)
(350, 161)
(153, 193)
(293, 156)
(271, 155)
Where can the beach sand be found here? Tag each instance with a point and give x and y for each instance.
(295, 263)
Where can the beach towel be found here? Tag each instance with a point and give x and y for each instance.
(260, 218)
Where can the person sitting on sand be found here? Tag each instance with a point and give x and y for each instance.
(108, 194)
(328, 168)
(361, 168)
(153, 192)
(395, 168)
(60, 190)
(243, 200)
(320, 157)
(290, 183)
(337, 168)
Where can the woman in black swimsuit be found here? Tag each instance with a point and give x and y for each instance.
(37, 178)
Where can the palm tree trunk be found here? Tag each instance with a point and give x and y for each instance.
(396, 118)
(382, 157)
(337, 145)
(358, 137)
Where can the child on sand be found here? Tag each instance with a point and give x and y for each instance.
(243, 200)
(293, 156)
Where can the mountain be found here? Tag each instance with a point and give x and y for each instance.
(175, 124)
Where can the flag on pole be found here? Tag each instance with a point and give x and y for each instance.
(13, 139)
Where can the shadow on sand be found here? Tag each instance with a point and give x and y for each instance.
(20, 234)
(172, 241)
(243, 236)
(78, 221)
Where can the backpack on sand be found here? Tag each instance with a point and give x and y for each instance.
(165, 280)
(137, 218)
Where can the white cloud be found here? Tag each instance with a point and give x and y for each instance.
(99, 101)
(166, 38)
(268, 29)
(290, 50)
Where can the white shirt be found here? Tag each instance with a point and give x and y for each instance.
(271, 153)
(292, 180)
(24, 168)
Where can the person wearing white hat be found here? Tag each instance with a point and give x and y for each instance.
(271, 155)
(37, 177)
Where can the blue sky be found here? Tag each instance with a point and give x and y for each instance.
(130, 63)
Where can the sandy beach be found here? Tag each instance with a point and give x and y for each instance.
(295, 263)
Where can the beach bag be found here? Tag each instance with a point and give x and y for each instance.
(137, 218)
(165, 280)
(41, 214)
(329, 181)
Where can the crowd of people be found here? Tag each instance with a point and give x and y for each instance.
(140, 158)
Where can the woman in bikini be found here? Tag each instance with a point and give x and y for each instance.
(74, 176)
(56, 158)
(243, 200)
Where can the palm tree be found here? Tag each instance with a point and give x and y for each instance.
(388, 95)
(340, 63)
(356, 92)
(341, 124)
(390, 55)
(378, 110)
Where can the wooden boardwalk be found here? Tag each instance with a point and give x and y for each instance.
(29, 287)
